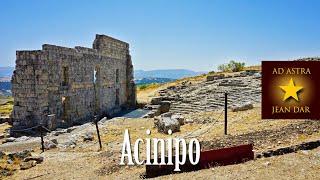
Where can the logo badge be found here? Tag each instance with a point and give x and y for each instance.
(289, 89)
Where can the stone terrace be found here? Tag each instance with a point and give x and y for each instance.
(209, 95)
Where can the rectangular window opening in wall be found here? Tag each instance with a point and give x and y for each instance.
(65, 76)
(65, 108)
(117, 75)
(94, 76)
(96, 73)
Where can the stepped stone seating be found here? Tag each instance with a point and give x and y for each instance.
(209, 95)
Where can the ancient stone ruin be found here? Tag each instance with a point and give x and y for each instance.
(60, 86)
(244, 89)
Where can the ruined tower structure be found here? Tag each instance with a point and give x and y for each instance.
(60, 86)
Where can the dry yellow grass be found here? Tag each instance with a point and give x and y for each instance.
(10, 168)
(244, 122)
(113, 132)
(256, 67)
(239, 123)
(148, 86)
(86, 163)
(145, 95)
(6, 105)
(90, 164)
(4, 126)
(290, 166)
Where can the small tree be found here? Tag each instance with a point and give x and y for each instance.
(236, 66)
(223, 68)
(232, 66)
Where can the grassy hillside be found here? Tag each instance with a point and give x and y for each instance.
(147, 91)
(6, 105)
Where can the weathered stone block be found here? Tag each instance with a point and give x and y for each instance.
(242, 107)
(165, 123)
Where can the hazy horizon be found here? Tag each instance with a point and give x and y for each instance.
(195, 35)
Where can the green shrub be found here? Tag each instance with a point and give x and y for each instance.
(232, 66)
(212, 72)
(143, 86)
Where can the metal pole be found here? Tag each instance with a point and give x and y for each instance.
(42, 142)
(96, 122)
(225, 113)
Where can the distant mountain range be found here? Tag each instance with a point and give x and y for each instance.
(138, 74)
(141, 76)
(5, 79)
(152, 80)
(165, 73)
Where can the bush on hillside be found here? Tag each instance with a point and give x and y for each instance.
(232, 66)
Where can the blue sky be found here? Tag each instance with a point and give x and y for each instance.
(190, 34)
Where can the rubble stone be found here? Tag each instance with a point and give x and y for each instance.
(22, 139)
(166, 123)
(188, 121)
(50, 144)
(242, 107)
(164, 106)
(156, 110)
(27, 165)
(20, 154)
(59, 131)
(10, 139)
(38, 159)
(209, 95)
(2, 154)
(70, 143)
(156, 100)
(168, 114)
(88, 136)
(178, 117)
(215, 77)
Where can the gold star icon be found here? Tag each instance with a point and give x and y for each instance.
(291, 90)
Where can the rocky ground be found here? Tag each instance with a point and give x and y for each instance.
(300, 165)
(74, 153)
(208, 95)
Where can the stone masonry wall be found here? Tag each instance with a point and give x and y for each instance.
(59, 86)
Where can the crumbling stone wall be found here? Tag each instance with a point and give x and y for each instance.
(59, 86)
